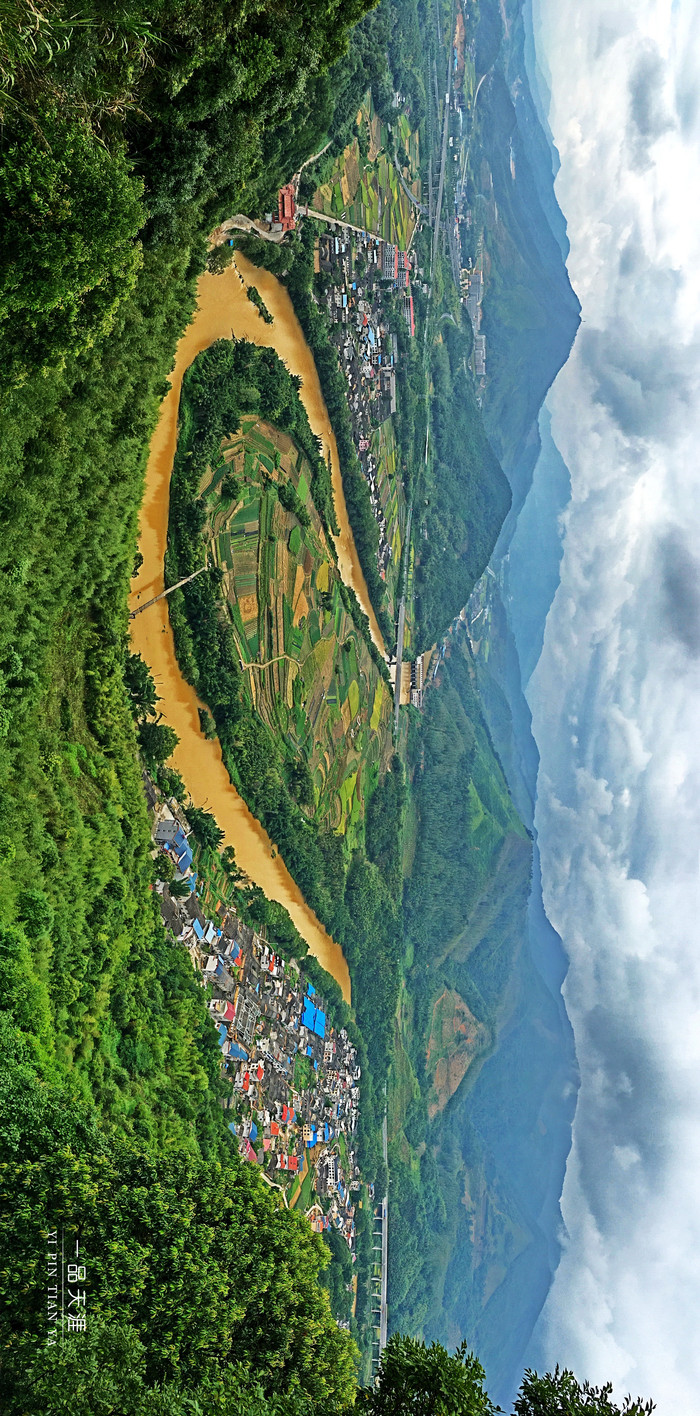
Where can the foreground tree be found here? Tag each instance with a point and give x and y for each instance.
(204, 828)
(199, 1278)
(559, 1393)
(415, 1380)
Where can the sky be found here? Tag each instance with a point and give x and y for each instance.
(616, 693)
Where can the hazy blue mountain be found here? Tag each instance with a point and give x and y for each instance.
(530, 312)
(515, 1121)
(531, 575)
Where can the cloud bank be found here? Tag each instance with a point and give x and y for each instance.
(616, 694)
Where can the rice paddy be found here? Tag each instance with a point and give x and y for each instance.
(309, 671)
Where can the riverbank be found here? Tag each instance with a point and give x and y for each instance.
(223, 309)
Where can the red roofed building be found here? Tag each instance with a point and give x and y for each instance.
(287, 207)
(250, 1153)
(260, 1072)
(293, 1162)
(246, 1082)
(274, 1128)
(285, 1112)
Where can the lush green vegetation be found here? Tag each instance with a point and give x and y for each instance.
(123, 140)
(307, 668)
(256, 299)
(464, 908)
(465, 495)
(196, 1259)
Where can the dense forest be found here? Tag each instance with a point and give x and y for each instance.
(124, 137)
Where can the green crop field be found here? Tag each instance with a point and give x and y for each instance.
(356, 186)
(310, 674)
(393, 502)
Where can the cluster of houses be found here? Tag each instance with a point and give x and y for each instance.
(294, 1078)
(362, 269)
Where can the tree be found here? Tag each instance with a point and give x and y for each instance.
(559, 1393)
(158, 742)
(207, 724)
(179, 889)
(204, 828)
(415, 1380)
(141, 686)
(164, 868)
(69, 212)
(194, 1256)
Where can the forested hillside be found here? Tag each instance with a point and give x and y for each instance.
(531, 312)
(454, 1219)
(124, 136)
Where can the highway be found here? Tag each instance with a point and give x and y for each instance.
(380, 1245)
(383, 1320)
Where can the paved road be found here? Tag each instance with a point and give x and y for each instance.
(335, 221)
(383, 1310)
(411, 195)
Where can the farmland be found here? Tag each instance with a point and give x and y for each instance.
(392, 500)
(366, 190)
(308, 669)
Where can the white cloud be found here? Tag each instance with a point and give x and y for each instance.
(616, 695)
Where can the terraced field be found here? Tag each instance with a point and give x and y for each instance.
(369, 193)
(309, 671)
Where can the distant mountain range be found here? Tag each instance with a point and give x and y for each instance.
(519, 1112)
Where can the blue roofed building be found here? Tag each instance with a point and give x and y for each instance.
(313, 1018)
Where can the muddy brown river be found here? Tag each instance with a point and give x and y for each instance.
(223, 309)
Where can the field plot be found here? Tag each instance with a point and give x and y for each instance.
(393, 501)
(310, 674)
(368, 193)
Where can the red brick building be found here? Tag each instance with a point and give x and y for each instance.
(287, 207)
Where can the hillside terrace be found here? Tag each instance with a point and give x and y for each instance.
(294, 1078)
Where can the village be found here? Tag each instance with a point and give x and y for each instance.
(361, 270)
(293, 1092)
